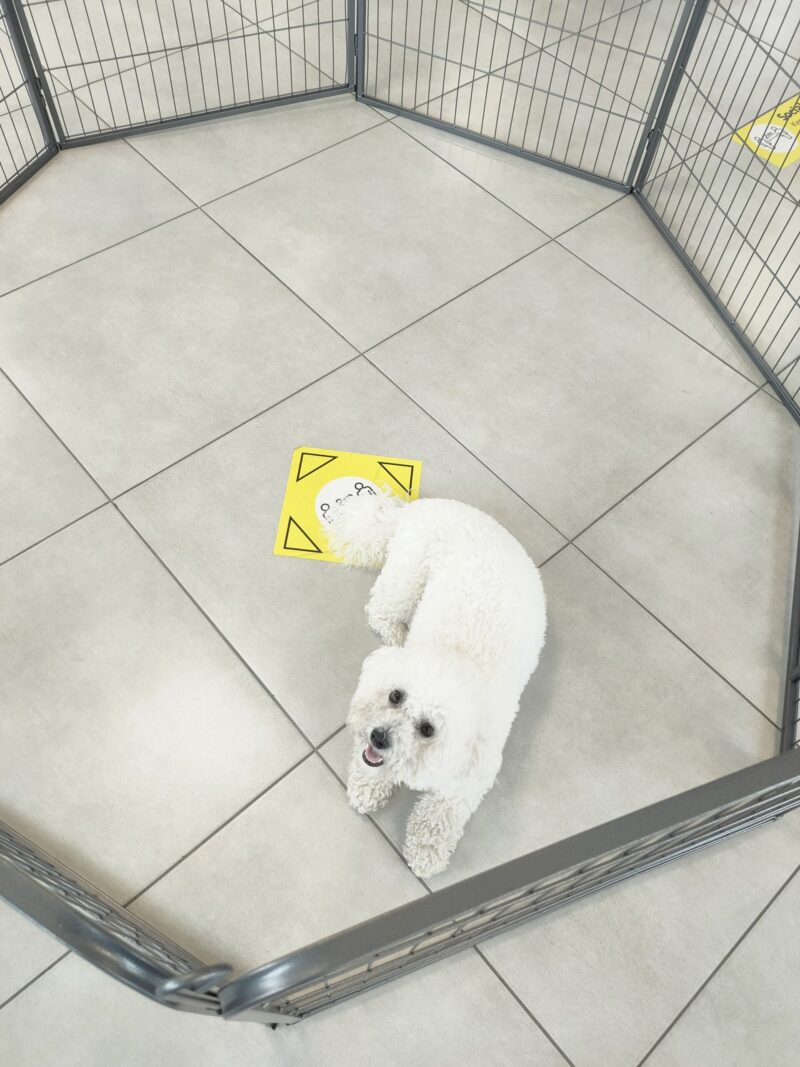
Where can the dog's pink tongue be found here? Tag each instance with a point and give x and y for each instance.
(373, 755)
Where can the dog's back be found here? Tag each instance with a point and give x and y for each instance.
(476, 590)
(483, 595)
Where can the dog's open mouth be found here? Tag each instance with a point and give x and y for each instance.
(371, 757)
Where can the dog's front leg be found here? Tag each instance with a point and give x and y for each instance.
(368, 788)
(433, 830)
(397, 591)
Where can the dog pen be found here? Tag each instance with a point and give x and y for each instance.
(692, 106)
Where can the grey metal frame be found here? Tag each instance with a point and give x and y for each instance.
(25, 93)
(398, 942)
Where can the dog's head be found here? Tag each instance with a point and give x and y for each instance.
(418, 713)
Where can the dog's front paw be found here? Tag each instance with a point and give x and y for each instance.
(426, 858)
(434, 829)
(367, 795)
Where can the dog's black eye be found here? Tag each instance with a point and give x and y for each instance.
(426, 729)
(396, 696)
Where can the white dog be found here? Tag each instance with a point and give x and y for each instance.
(460, 609)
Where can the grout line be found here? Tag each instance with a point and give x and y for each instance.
(756, 391)
(226, 640)
(382, 121)
(441, 425)
(677, 636)
(217, 829)
(99, 251)
(451, 299)
(238, 426)
(658, 315)
(35, 978)
(259, 681)
(57, 436)
(252, 255)
(489, 277)
(319, 315)
(457, 139)
(226, 822)
(718, 967)
(195, 848)
(463, 174)
(396, 849)
(461, 444)
(509, 988)
(53, 533)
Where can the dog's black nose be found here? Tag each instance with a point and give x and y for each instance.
(379, 738)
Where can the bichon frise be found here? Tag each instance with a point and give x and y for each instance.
(460, 609)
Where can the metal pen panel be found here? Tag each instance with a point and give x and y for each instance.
(120, 66)
(27, 139)
(568, 83)
(426, 930)
(102, 931)
(723, 179)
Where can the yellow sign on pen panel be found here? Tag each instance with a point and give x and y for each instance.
(321, 477)
(775, 135)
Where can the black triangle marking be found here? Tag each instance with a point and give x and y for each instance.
(405, 466)
(290, 548)
(326, 459)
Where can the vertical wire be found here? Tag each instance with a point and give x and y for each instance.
(182, 53)
(593, 105)
(689, 83)
(661, 60)
(167, 57)
(534, 87)
(731, 194)
(274, 36)
(259, 41)
(68, 68)
(464, 10)
(687, 91)
(419, 45)
(319, 48)
(148, 53)
(616, 90)
(507, 62)
(133, 59)
(731, 128)
(12, 81)
(489, 66)
(404, 50)
(444, 68)
(745, 175)
(115, 58)
(231, 64)
(549, 90)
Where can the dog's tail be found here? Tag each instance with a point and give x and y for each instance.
(362, 526)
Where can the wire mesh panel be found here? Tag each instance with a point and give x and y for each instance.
(102, 931)
(453, 918)
(25, 141)
(569, 80)
(724, 178)
(112, 65)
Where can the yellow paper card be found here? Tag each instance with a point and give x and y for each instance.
(321, 477)
(775, 135)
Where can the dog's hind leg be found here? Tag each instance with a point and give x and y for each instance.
(397, 590)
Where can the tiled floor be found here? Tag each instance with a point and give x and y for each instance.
(173, 693)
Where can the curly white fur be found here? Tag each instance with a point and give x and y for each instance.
(460, 609)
